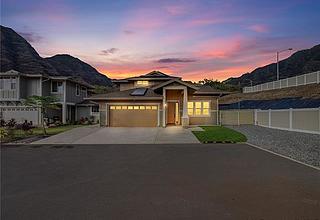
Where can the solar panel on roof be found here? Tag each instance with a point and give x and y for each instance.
(139, 92)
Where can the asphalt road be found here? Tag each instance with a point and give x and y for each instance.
(155, 182)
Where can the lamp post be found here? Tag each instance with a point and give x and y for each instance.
(278, 52)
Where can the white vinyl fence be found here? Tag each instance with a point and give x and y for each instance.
(305, 79)
(302, 120)
(21, 113)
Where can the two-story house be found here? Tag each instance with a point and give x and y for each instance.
(15, 87)
(158, 99)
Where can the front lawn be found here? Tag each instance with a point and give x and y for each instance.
(19, 134)
(219, 134)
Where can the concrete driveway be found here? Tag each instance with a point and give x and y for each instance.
(97, 135)
(169, 181)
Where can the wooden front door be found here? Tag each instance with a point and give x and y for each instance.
(171, 112)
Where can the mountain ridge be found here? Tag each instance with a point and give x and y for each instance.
(300, 62)
(18, 54)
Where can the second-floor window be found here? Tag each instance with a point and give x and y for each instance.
(56, 87)
(8, 83)
(142, 83)
(77, 90)
(84, 91)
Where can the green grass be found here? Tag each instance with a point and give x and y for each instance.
(219, 134)
(19, 134)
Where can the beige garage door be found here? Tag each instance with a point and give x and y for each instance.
(133, 116)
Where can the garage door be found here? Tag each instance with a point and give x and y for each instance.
(133, 116)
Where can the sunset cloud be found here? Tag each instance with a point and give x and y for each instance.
(259, 28)
(176, 60)
(109, 51)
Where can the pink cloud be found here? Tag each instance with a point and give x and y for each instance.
(259, 28)
(219, 48)
(176, 9)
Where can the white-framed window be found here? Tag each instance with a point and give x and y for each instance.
(77, 89)
(56, 87)
(95, 109)
(142, 83)
(8, 83)
(134, 107)
(84, 90)
(199, 108)
(13, 84)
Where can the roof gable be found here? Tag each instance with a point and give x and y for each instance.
(189, 85)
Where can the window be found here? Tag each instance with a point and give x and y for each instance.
(13, 82)
(190, 108)
(84, 90)
(95, 109)
(198, 108)
(77, 90)
(142, 83)
(134, 107)
(8, 83)
(1, 83)
(56, 87)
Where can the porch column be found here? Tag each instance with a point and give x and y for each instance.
(185, 117)
(64, 113)
(164, 108)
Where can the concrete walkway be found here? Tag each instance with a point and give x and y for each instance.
(97, 135)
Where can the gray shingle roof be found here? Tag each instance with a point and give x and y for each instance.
(126, 94)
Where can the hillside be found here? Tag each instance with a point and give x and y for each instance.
(19, 55)
(311, 91)
(301, 62)
(71, 66)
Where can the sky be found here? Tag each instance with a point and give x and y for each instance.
(194, 39)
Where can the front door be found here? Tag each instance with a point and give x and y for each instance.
(173, 113)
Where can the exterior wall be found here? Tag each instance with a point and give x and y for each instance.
(126, 86)
(21, 113)
(85, 112)
(46, 87)
(212, 119)
(58, 95)
(29, 87)
(6, 93)
(71, 95)
(133, 84)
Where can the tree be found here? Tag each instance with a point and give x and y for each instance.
(219, 85)
(43, 103)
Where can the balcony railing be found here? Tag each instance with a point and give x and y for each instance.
(8, 95)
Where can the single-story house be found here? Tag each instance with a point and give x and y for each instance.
(157, 99)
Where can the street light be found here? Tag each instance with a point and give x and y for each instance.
(278, 52)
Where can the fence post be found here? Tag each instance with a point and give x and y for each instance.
(255, 117)
(319, 117)
(318, 77)
(269, 118)
(290, 119)
(238, 117)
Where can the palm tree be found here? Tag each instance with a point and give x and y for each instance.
(44, 103)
